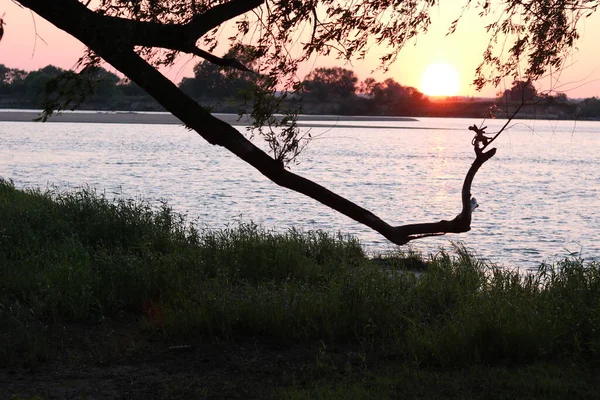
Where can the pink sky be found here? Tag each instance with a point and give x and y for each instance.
(22, 48)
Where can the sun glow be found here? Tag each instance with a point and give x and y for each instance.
(440, 80)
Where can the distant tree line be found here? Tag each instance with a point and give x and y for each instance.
(21, 89)
(324, 91)
(534, 104)
(337, 91)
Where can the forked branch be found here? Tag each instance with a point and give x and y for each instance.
(461, 223)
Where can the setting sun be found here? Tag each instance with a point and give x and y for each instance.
(440, 80)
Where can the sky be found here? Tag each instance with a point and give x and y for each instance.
(30, 43)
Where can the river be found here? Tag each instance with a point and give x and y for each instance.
(538, 197)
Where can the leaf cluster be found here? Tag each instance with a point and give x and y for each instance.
(538, 35)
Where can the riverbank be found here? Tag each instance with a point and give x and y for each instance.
(113, 299)
(140, 117)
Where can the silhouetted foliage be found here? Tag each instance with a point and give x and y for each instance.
(520, 91)
(330, 84)
(589, 108)
(11, 80)
(370, 97)
(391, 98)
(36, 81)
(213, 81)
(101, 89)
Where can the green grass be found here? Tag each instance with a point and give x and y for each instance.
(80, 258)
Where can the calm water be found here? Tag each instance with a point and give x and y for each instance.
(538, 196)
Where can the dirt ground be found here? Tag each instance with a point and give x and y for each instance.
(119, 363)
(127, 361)
(218, 371)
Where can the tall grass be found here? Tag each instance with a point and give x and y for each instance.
(76, 257)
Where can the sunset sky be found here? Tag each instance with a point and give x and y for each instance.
(20, 48)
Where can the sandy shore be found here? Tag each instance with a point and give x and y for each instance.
(126, 117)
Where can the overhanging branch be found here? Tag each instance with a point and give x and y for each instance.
(72, 19)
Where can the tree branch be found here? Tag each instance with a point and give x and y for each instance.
(217, 132)
(462, 222)
(203, 23)
(223, 62)
(127, 32)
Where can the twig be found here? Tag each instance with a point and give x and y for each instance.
(514, 114)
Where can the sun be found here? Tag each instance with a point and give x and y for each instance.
(440, 80)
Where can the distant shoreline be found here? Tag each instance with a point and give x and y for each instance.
(141, 117)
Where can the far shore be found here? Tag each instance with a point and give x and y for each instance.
(141, 117)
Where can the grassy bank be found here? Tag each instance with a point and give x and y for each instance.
(78, 259)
